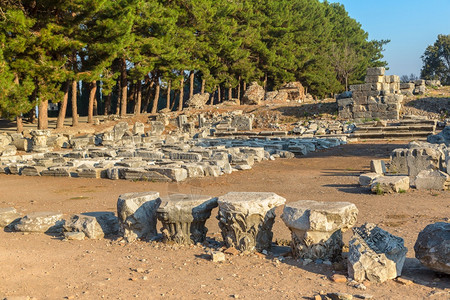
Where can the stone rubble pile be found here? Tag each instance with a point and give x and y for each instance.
(131, 154)
(422, 165)
(379, 97)
(417, 87)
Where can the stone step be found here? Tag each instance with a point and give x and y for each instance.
(428, 128)
(390, 135)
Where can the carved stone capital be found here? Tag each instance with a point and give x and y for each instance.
(183, 217)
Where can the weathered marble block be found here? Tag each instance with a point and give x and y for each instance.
(94, 225)
(183, 217)
(48, 222)
(246, 219)
(8, 215)
(432, 247)
(375, 254)
(39, 140)
(137, 215)
(316, 227)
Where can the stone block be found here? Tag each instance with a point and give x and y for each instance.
(377, 166)
(316, 227)
(246, 219)
(379, 71)
(183, 217)
(374, 80)
(8, 215)
(48, 222)
(432, 247)
(375, 254)
(242, 122)
(390, 184)
(186, 156)
(345, 102)
(137, 215)
(368, 178)
(432, 180)
(194, 170)
(422, 158)
(94, 225)
(119, 130)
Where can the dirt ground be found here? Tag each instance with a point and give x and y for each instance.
(46, 267)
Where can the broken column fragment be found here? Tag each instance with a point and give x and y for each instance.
(316, 227)
(246, 219)
(375, 254)
(137, 215)
(39, 140)
(184, 216)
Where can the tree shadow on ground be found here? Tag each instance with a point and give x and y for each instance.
(308, 110)
(431, 104)
(345, 173)
(375, 151)
(350, 188)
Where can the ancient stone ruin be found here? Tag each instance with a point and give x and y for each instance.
(316, 227)
(246, 219)
(375, 254)
(183, 217)
(378, 98)
(432, 247)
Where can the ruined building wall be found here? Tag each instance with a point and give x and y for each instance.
(379, 97)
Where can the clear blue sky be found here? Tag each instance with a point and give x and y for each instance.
(411, 25)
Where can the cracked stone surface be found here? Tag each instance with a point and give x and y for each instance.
(183, 217)
(375, 254)
(316, 227)
(137, 215)
(432, 247)
(95, 225)
(246, 219)
(8, 215)
(48, 222)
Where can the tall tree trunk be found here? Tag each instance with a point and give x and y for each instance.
(43, 115)
(19, 122)
(95, 107)
(230, 93)
(146, 101)
(239, 91)
(92, 94)
(137, 109)
(203, 86)
(219, 100)
(265, 82)
(63, 108)
(107, 104)
(169, 88)
(174, 99)
(191, 84)
(123, 105)
(74, 104)
(180, 103)
(244, 87)
(156, 99)
(119, 93)
(19, 117)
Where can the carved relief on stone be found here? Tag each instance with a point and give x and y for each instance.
(316, 227)
(246, 219)
(183, 217)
